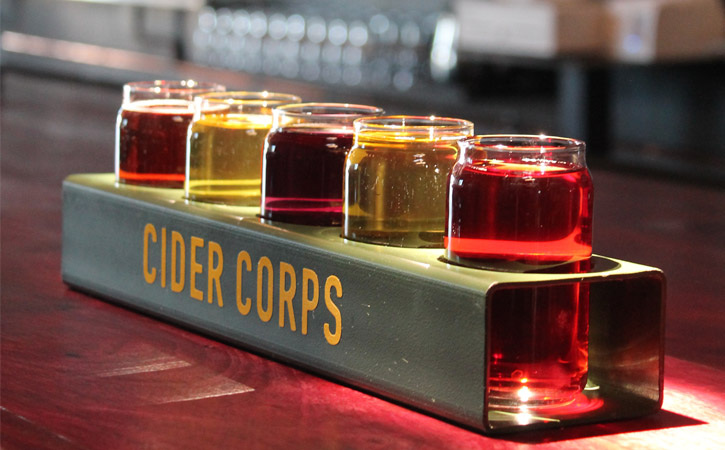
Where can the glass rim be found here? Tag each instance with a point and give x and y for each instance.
(523, 143)
(247, 97)
(416, 123)
(181, 86)
(404, 128)
(327, 110)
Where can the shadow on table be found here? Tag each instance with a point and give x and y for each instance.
(661, 420)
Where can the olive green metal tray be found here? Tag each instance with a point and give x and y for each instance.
(400, 323)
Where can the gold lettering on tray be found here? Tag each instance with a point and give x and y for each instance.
(294, 298)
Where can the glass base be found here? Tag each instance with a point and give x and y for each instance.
(409, 239)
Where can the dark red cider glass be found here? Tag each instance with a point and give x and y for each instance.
(303, 182)
(304, 161)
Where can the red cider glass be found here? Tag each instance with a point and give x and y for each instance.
(519, 198)
(151, 131)
(526, 202)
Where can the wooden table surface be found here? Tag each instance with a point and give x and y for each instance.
(77, 372)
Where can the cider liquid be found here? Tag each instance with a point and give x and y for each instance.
(396, 192)
(538, 345)
(151, 142)
(225, 158)
(303, 173)
(538, 336)
(521, 212)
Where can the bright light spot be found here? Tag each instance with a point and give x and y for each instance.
(524, 394)
(523, 418)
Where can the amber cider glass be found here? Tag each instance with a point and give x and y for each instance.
(395, 179)
(304, 159)
(151, 129)
(527, 199)
(225, 144)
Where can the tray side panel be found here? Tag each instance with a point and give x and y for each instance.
(409, 338)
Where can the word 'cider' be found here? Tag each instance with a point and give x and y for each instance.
(152, 142)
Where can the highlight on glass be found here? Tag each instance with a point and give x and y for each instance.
(520, 198)
(151, 129)
(395, 179)
(304, 159)
(225, 145)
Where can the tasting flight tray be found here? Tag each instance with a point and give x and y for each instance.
(397, 322)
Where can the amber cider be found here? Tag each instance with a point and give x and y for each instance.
(395, 179)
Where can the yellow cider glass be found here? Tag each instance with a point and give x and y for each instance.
(395, 179)
(225, 144)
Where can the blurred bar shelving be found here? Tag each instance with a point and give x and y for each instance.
(531, 66)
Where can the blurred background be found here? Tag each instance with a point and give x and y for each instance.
(642, 81)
